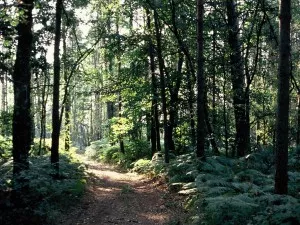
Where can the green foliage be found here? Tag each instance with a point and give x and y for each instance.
(135, 150)
(36, 149)
(93, 151)
(119, 128)
(230, 210)
(138, 149)
(142, 166)
(179, 170)
(6, 123)
(5, 148)
(234, 191)
(44, 196)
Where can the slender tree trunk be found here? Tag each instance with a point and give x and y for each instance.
(225, 120)
(298, 120)
(200, 83)
(43, 115)
(121, 142)
(155, 136)
(67, 98)
(238, 81)
(4, 92)
(282, 120)
(210, 131)
(190, 84)
(56, 81)
(214, 92)
(22, 120)
(162, 86)
(174, 90)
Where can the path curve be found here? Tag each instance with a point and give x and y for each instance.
(113, 197)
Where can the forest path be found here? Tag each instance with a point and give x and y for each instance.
(115, 197)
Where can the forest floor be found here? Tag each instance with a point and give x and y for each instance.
(116, 197)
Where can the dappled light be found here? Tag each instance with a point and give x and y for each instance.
(121, 198)
(165, 112)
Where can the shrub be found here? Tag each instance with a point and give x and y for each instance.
(142, 166)
(43, 196)
(5, 148)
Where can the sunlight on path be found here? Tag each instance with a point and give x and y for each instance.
(121, 198)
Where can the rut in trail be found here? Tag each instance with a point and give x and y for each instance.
(124, 198)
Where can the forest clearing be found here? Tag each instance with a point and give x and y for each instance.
(171, 112)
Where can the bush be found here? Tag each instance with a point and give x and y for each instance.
(5, 148)
(142, 166)
(93, 151)
(101, 150)
(43, 196)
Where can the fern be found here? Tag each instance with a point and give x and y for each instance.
(217, 191)
(228, 210)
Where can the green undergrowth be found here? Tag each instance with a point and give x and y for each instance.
(103, 151)
(43, 196)
(238, 191)
(137, 157)
(5, 149)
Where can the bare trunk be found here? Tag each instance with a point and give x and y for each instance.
(56, 81)
(200, 83)
(282, 120)
(162, 87)
(22, 120)
(155, 136)
(238, 81)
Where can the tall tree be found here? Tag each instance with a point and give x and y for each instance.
(238, 80)
(22, 120)
(155, 136)
(162, 85)
(200, 82)
(55, 107)
(281, 176)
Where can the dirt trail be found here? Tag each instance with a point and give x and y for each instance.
(124, 198)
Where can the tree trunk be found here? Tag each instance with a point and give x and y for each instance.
(190, 84)
(200, 83)
(4, 92)
(43, 115)
(174, 91)
(282, 120)
(67, 97)
(121, 142)
(238, 81)
(298, 120)
(162, 86)
(22, 120)
(214, 87)
(56, 81)
(155, 136)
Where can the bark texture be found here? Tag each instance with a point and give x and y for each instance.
(22, 120)
(56, 81)
(238, 81)
(281, 176)
(200, 83)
